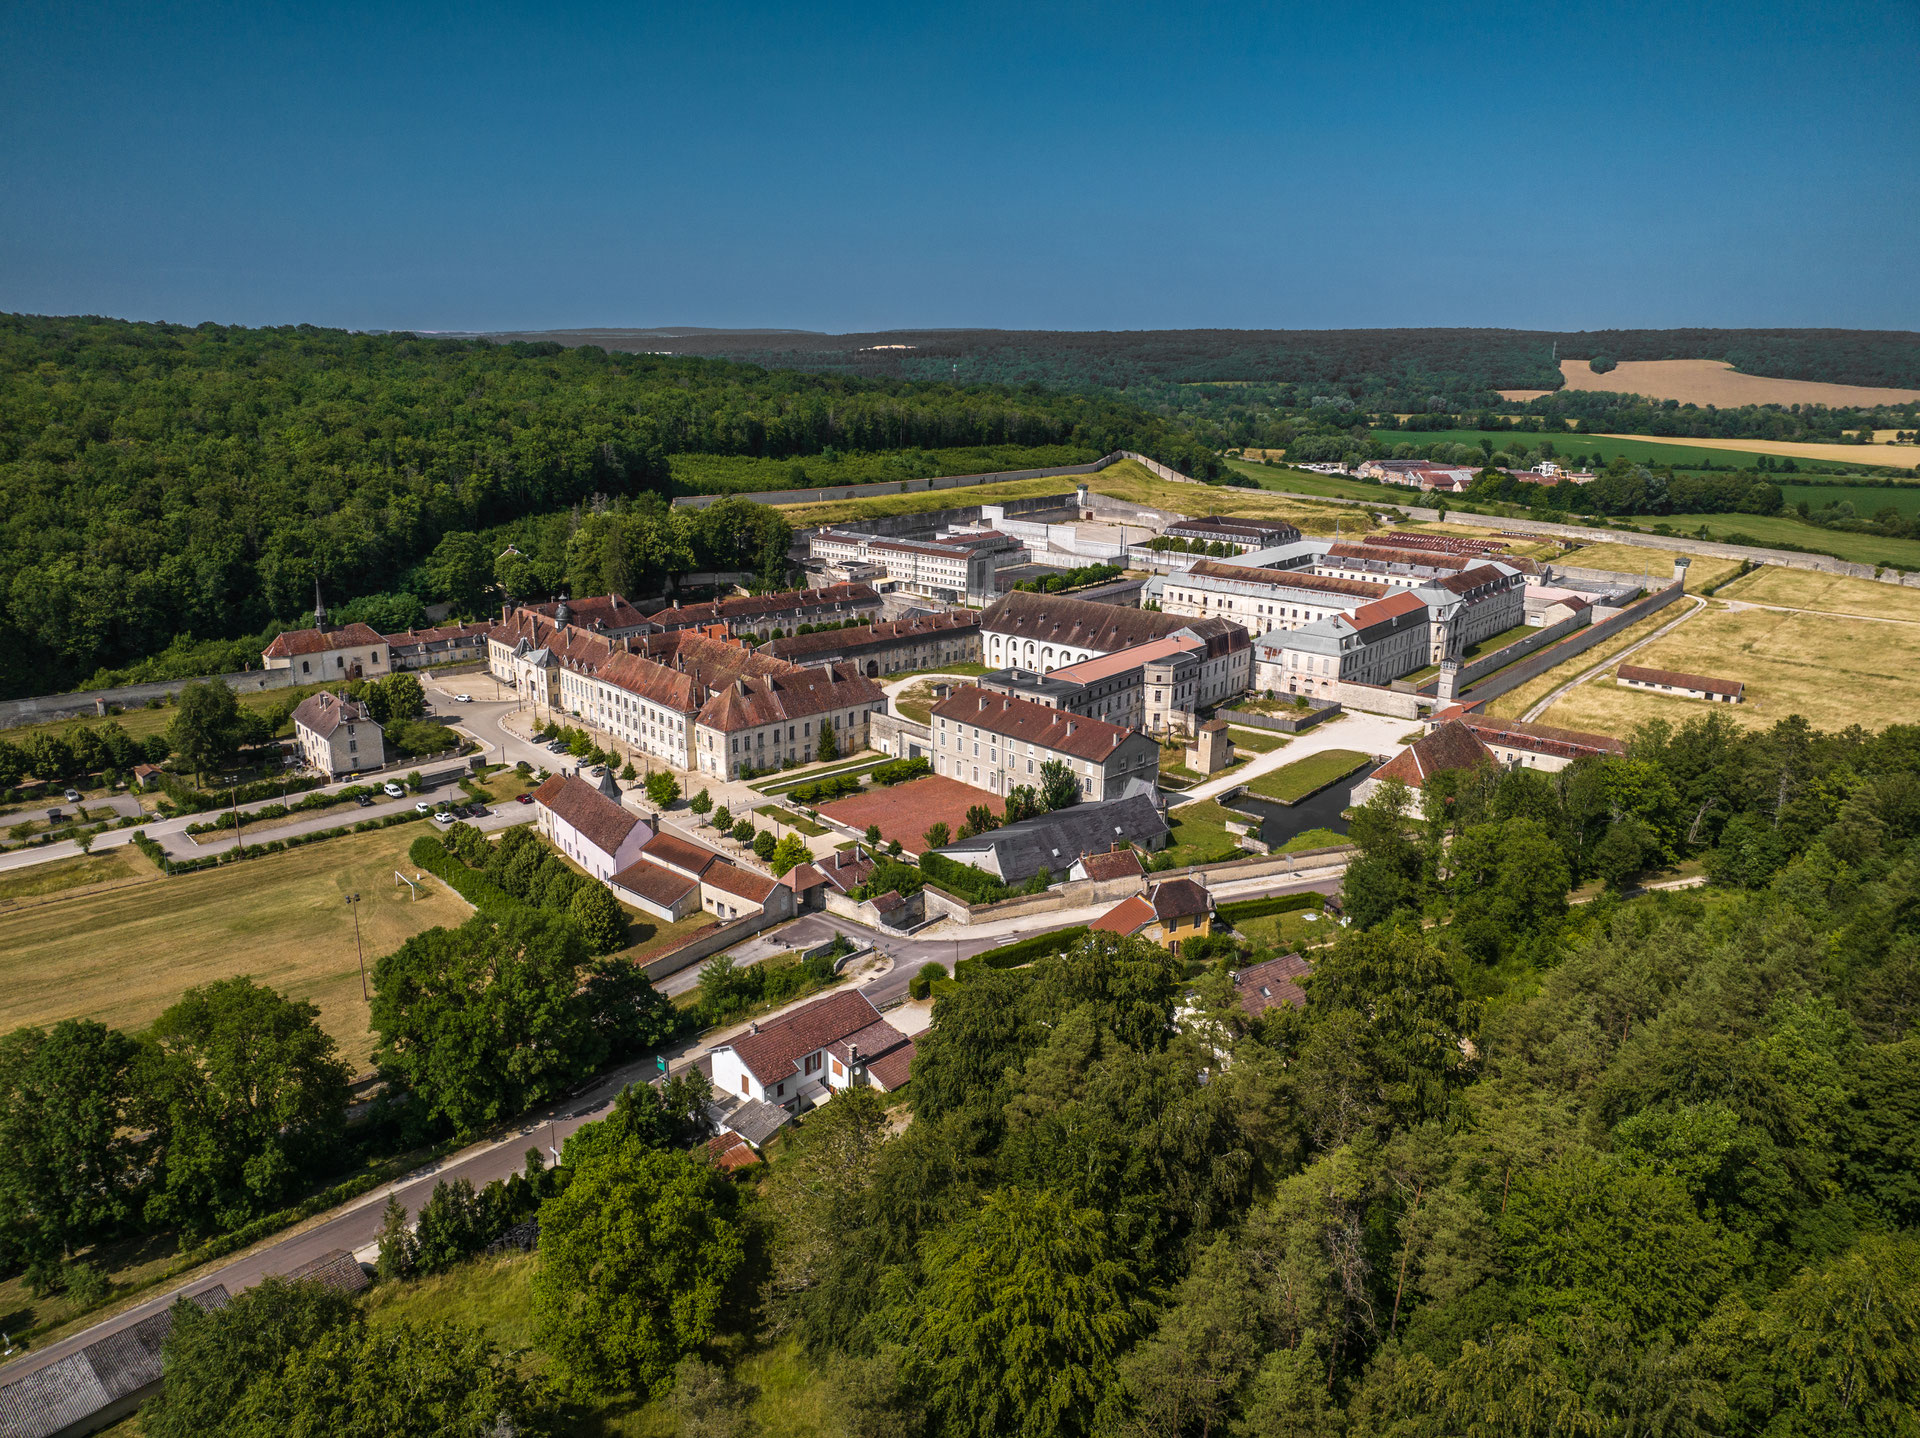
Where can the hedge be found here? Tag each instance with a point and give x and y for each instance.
(1261, 908)
(822, 791)
(169, 865)
(964, 881)
(900, 770)
(1024, 951)
(476, 888)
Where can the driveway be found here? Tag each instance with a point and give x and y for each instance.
(1375, 734)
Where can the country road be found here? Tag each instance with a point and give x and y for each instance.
(1614, 658)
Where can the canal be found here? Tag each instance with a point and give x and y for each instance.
(1280, 822)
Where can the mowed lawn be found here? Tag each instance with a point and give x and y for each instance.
(123, 955)
(1293, 782)
(1828, 593)
(1656, 564)
(1834, 671)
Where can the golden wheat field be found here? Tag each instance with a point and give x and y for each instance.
(1716, 382)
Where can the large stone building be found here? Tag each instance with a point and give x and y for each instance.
(1682, 685)
(589, 825)
(1044, 632)
(1263, 599)
(924, 641)
(528, 651)
(1157, 686)
(761, 614)
(1374, 644)
(953, 571)
(336, 737)
(998, 743)
(443, 644)
(327, 655)
(1238, 535)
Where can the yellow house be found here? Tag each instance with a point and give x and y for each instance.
(1167, 913)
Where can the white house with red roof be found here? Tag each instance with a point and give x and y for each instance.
(313, 656)
(598, 833)
(798, 1060)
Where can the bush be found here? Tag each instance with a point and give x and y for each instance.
(1023, 951)
(1261, 908)
(900, 770)
(922, 982)
(427, 852)
(822, 791)
(976, 886)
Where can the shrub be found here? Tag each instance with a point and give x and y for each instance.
(900, 770)
(976, 886)
(1261, 908)
(1023, 951)
(922, 982)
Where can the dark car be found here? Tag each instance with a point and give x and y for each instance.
(526, 798)
(364, 800)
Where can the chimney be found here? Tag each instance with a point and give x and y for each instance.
(853, 1053)
(754, 1027)
(1069, 726)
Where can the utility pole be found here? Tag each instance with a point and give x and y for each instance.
(353, 902)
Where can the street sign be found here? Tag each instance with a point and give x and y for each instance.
(660, 1062)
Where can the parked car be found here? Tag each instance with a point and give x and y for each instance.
(421, 806)
(526, 798)
(73, 796)
(463, 699)
(443, 817)
(393, 791)
(365, 801)
(558, 746)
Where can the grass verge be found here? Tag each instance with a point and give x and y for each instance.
(1291, 783)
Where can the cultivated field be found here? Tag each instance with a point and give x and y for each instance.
(1873, 456)
(1716, 382)
(1657, 564)
(1780, 530)
(1866, 499)
(123, 955)
(1827, 593)
(1836, 672)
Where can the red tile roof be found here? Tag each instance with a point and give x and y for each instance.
(318, 641)
(665, 848)
(802, 877)
(1079, 623)
(845, 869)
(1180, 898)
(605, 611)
(325, 712)
(730, 1151)
(1289, 579)
(1541, 738)
(1675, 679)
(797, 601)
(599, 820)
(655, 883)
(742, 883)
(772, 1051)
(1121, 864)
(1381, 611)
(898, 631)
(1450, 746)
(1273, 984)
(892, 1069)
(748, 703)
(1129, 916)
(1030, 723)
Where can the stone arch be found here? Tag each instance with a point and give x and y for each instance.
(873, 669)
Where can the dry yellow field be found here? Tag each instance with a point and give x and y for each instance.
(1716, 382)
(1516, 702)
(123, 955)
(1827, 593)
(1874, 456)
(1656, 564)
(1835, 672)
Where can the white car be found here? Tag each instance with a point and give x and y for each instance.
(421, 806)
(443, 817)
(393, 791)
(463, 699)
(73, 796)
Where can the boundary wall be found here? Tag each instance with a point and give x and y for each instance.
(1537, 664)
(1510, 653)
(91, 703)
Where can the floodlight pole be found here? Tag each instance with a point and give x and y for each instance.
(353, 902)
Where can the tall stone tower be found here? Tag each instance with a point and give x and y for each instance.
(1680, 563)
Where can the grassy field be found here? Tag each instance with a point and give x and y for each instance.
(59, 876)
(1293, 782)
(1311, 839)
(139, 723)
(1256, 741)
(1836, 672)
(794, 1400)
(1516, 702)
(1334, 486)
(1781, 531)
(1200, 833)
(1828, 593)
(1594, 450)
(1866, 499)
(1656, 565)
(1289, 933)
(123, 955)
(916, 701)
(787, 819)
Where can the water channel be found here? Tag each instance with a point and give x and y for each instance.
(1280, 822)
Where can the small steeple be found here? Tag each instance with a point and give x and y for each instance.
(319, 608)
(562, 614)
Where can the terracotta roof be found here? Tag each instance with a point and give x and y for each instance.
(893, 1068)
(858, 636)
(655, 883)
(1273, 984)
(665, 848)
(1385, 611)
(1298, 579)
(1228, 525)
(730, 1151)
(742, 883)
(325, 712)
(889, 902)
(1104, 666)
(1542, 738)
(1052, 619)
(1450, 746)
(411, 637)
(802, 877)
(1470, 579)
(772, 1051)
(750, 702)
(756, 606)
(1678, 680)
(1179, 898)
(605, 611)
(682, 670)
(845, 869)
(601, 822)
(1387, 554)
(1129, 916)
(318, 641)
(570, 645)
(1030, 723)
(1121, 864)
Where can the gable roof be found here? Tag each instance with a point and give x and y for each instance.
(1129, 916)
(1288, 579)
(1273, 984)
(750, 702)
(595, 612)
(319, 641)
(1030, 723)
(772, 1052)
(845, 869)
(742, 883)
(1180, 898)
(1450, 746)
(598, 819)
(1541, 738)
(860, 636)
(337, 1269)
(1675, 679)
(730, 1150)
(1119, 864)
(1054, 840)
(802, 877)
(1052, 619)
(655, 882)
(671, 849)
(326, 711)
(755, 606)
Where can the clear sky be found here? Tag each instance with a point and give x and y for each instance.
(858, 166)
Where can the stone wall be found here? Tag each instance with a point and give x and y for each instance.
(1373, 699)
(47, 708)
(1321, 711)
(707, 942)
(1519, 649)
(1537, 664)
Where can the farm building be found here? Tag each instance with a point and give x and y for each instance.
(1684, 686)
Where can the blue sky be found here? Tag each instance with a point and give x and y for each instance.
(850, 166)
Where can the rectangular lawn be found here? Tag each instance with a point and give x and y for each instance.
(1293, 782)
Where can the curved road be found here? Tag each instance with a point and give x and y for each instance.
(1665, 629)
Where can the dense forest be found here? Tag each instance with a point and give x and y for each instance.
(1390, 369)
(1519, 1167)
(161, 481)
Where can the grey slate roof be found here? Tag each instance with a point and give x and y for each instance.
(755, 1121)
(1055, 840)
(337, 1269)
(123, 1363)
